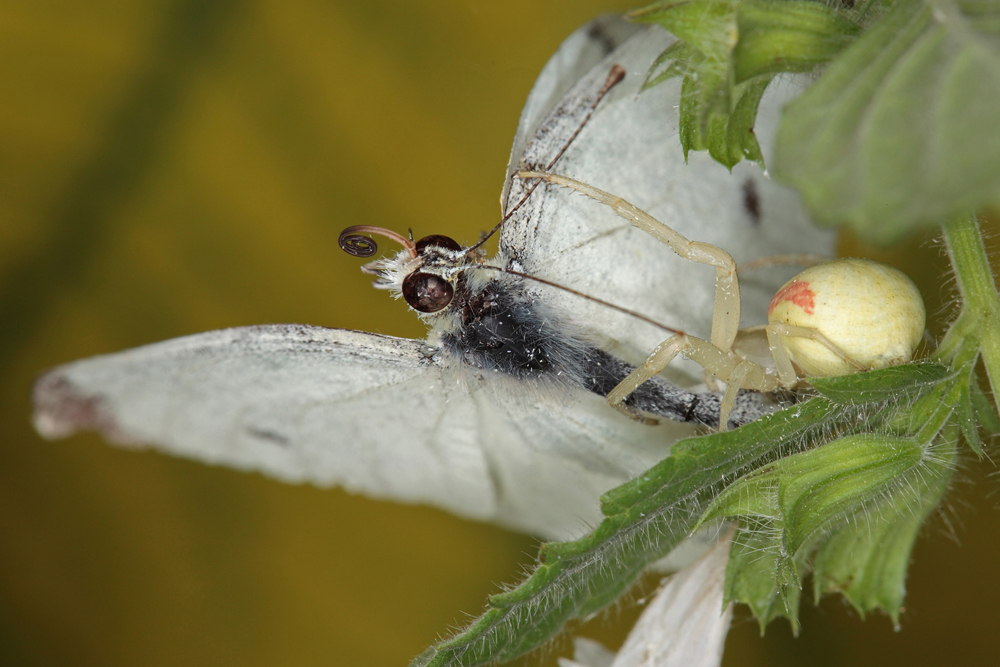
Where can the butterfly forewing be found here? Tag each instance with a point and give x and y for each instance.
(383, 416)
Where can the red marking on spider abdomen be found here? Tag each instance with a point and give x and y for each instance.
(797, 292)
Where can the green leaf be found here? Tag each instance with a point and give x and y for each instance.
(886, 384)
(868, 557)
(646, 518)
(902, 129)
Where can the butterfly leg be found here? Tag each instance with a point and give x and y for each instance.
(726, 315)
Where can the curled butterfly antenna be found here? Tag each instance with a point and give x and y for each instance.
(353, 242)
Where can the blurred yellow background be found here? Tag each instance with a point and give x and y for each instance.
(174, 166)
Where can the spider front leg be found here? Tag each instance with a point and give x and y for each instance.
(736, 372)
(726, 314)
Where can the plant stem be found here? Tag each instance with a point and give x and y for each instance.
(980, 316)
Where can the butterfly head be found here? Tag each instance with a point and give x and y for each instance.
(424, 272)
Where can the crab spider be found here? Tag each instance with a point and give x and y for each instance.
(834, 318)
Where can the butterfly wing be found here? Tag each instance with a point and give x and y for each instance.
(579, 53)
(630, 148)
(299, 403)
(383, 416)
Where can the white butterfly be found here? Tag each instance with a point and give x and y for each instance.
(413, 420)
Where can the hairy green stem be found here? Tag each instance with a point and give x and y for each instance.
(979, 320)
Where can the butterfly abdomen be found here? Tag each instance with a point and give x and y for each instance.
(499, 326)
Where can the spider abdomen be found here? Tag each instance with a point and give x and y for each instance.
(871, 311)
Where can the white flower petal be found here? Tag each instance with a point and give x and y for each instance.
(588, 653)
(684, 626)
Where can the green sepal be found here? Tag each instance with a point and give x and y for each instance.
(966, 414)
(730, 135)
(678, 59)
(819, 488)
(754, 496)
(887, 481)
(709, 95)
(867, 558)
(727, 52)
(803, 494)
(753, 573)
(791, 36)
(696, 104)
(707, 25)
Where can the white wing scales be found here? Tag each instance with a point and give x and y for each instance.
(553, 457)
(299, 403)
(377, 415)
(577, 55)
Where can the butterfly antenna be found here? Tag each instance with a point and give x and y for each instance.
(615, 76)
(353, 242)
(620, 309)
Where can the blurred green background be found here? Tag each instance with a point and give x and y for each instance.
(173, 166)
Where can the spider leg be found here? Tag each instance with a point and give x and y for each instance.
(781, 359)
(726, 315)
(661, 356)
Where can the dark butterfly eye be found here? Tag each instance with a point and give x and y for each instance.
(439, 241)
(426, 292)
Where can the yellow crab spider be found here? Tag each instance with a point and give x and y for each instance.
(834, 318)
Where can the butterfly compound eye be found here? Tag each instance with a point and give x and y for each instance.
(426, 292)
(439, 241)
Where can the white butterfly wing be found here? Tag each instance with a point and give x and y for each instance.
(382, 416)
(579, 53)
(630, 148)
(299, 403)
